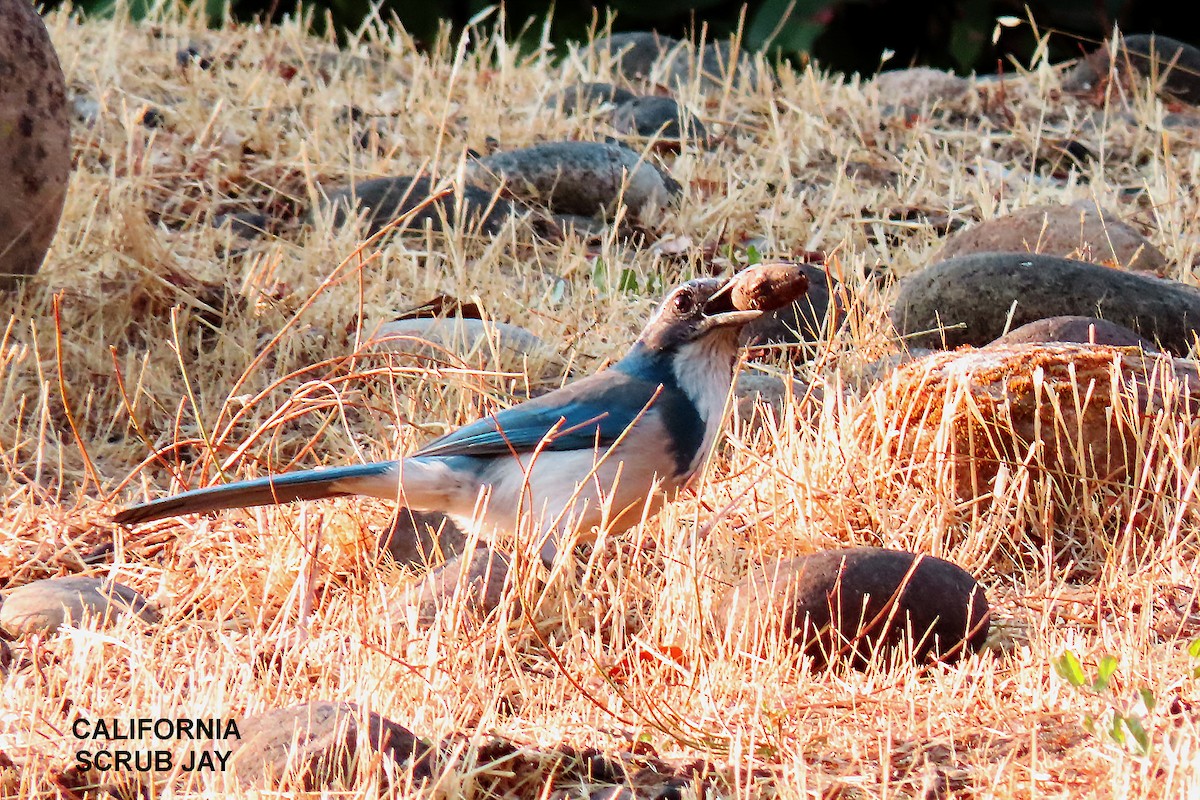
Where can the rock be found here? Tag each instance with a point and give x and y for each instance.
(712, 66)
(804, 321)
(577, 177)
(1080, 230)
(472, 342)
(35, 141)
(1175, 64)
(752, 388)
(658, 118)
(317, 746)
(633, 55)
(971, 297)
(416, 538)
(244, 224)
(1074, 413)
(43, 606)
(585, 96)
(388, 199)
(482, 575)
(918, 88)
(844, 605)
(1085, 330)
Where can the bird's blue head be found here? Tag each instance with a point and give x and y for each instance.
(701, 309)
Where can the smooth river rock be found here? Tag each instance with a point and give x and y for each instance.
(971, 297)
(577, 177)
(1081, 231)
(317, 745)
(43, 606)
(35, 141)
(844, 605)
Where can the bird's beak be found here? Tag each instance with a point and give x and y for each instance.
(720, 313)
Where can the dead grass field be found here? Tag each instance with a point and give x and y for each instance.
(148, 330)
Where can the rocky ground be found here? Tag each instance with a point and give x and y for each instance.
(275, 254)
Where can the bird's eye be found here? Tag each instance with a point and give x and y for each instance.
(684, 303)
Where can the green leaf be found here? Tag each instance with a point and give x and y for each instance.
(1134, 724)
(1194, 648)
(1116, 731)
(1069, 668)
(1148, 699)
(1104, 672)
(753, 256)
(629, 282)
(600, 273)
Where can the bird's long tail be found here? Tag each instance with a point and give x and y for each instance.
(380, 479)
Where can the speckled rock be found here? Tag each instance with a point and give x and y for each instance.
(477, 581)
(418, 538)
(388, 199)
(1081, 230)
(919, 88)
(577, 177)
(633, 54)
(1174, 63)
(1072, 412)
(586, 96)
(43, 606)
(35, 141)
(1085, 330)
(971, 297)
(659, 119)
(804, 321)
(754, 389)
(318, 745)
(841, 606)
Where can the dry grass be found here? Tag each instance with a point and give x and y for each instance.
(149, 331)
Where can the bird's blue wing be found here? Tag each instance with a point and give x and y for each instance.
(589, 413)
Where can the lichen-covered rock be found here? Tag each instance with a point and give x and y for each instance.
(386, 200)
(318, 745)
(659, 119)
(1175, 64)
(953, 421)
(35, 141)
(919, 88)
(843, 606)
(1081, 231)
(44, 606)
(973, 299)
(577, 177)
(585, 96)
(642, 57)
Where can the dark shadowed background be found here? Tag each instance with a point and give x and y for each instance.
(842, 35)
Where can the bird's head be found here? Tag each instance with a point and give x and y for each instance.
(717, 309)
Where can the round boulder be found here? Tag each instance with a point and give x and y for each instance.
(1174, 64)
(1081, 230)
(1085, 330)
(844, 606)
(914, 89)
(1078, 414)
(586, 96)
(973, 299)
(386, 200)
(315, 746)
(577, 177)
(659, 119)
(35, 141)
(44, 606)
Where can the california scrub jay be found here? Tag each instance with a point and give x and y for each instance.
(601, 451)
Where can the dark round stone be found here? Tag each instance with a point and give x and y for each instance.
(388, 199)
(1174, 63)
(841, 606)
(969, 299)
(1085, 330)
(584, 96)
(658, 118)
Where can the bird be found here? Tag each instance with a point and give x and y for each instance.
(600, 452)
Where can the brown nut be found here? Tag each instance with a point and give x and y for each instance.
(766, 287)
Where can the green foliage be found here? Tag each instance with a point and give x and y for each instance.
(1123, 726)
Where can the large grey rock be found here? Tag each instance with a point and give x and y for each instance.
(418, 538)
(388, 199)
(43, 606)
(1081, 230)
(967, 300)
(1176, 64)
(585, 96)
(843, 605)
(641, 57)
(477, 581)
(577, 177)
(659, 119)
(318, 745)
(35, 141)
